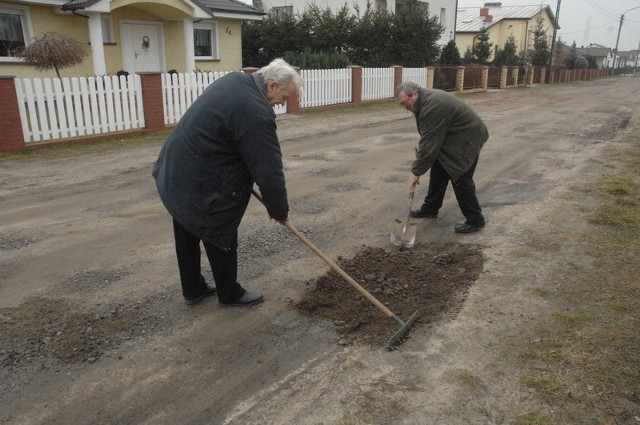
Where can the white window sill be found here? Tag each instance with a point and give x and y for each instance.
(12, 59)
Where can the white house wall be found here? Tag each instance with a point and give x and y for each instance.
(449, 23)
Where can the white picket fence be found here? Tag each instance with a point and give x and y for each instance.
(377, 83)
(415, 75)
(321, 87)
(179, 91)
(54, 108)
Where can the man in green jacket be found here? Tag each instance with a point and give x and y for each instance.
(451, 136)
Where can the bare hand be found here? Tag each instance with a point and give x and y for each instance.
(413, 180)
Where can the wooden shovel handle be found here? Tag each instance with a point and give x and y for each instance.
(410, 204)
(332, 264)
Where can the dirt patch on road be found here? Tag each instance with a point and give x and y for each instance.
(44, 329)
(430, 279)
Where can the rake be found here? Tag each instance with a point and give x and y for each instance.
(396, 338)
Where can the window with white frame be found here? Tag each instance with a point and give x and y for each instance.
(205, 40)
(280, 11)
(107, 29)
(15, 29)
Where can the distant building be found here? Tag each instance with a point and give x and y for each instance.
(627, 58)
(502, 22)
(603, 55)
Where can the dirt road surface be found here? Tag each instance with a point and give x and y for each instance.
(94, 329)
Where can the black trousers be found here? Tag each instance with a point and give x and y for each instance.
(464, 189)
(224, 265)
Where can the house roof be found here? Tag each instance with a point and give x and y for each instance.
(231, 6)
(78, 4)
(227, 6)
(468, 19)
(596, 52)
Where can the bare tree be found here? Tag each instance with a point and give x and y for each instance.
(51, 50)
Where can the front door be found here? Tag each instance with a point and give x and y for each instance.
(142, 44)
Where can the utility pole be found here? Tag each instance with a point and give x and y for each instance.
(615, 51)
(553, 40)
(635, 66)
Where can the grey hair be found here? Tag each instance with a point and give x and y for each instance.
(407, 88)
(280, 72)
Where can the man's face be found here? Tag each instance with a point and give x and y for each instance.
(407, 100)
(277, 95)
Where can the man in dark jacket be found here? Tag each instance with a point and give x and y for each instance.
(224, 143)
(451, 136)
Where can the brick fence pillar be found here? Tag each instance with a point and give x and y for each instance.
(460, 79)
(397, 76)
(485, 77)
(543, 75)
(514, 74)
(431, 71)
(11, 135)
(152, 101)
(356, 84)
(503, 76)
(531, 71)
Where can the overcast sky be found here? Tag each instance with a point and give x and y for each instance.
(589, 21)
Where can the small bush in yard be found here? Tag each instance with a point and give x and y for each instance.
(51, 50)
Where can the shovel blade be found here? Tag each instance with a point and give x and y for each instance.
(404, 235)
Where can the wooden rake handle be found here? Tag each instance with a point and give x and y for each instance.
(331, 263)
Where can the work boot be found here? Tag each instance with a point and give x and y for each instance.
(466, 228)
(248, 299)
(423, 214)
(206, 290)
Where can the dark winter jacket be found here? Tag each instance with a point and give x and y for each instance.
(450, 131)
(224, 143)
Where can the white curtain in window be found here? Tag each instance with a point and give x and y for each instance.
(10, 27)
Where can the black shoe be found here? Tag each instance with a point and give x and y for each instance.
(210, 290)
(466, 228)
(423, 214)
(248, 299)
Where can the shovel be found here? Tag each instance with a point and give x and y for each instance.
(396, 338)
(404, 234)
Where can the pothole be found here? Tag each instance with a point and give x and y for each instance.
(431, 279)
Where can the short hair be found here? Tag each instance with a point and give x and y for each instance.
(407, 88)
(280, 72)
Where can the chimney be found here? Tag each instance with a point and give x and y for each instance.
(484, 11)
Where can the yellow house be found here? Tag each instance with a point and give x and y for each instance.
(129, 35)
(502, 22)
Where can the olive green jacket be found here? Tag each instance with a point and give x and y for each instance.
(450, 132)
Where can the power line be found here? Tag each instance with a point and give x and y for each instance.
(591, 28)
(601, 9)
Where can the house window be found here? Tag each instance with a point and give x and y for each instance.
(107, 29)
(282, 11)
(443, 16)
(205, 40)
(15, 30)
(380, 5)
